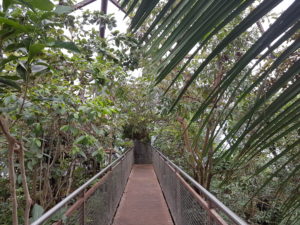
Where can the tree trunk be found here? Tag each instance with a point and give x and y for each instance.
(25, 185)
(70, 180)
(12, 146)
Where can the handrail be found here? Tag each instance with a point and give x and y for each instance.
(58, 206)
(235, 218)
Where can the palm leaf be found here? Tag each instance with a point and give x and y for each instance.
(185, 28)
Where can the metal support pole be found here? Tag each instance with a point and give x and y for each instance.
(104, 4)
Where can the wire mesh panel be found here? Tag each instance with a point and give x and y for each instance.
(100, 208)
(186, 205)
(97, 204)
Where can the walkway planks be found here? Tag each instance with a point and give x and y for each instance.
(142, 202)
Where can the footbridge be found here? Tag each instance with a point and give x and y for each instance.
(142, 187)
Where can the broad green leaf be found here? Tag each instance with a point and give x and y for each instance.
(83, 154)
(14, 47)
(65, 128)
(14, 24)
(39, 68)
(22, 71)
(35, 49)
(65, 45)
(45, 5)
(62, 9)
(82, 140)
(38, 142)
(10, 83)
(37, 212)
(11, 77)
(75, 150)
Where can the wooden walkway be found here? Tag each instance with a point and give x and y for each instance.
(142, 202)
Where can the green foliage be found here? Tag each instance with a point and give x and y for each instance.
(45, 5)
(62, 9)
(37, 211)
(58, 91)
(223, 78)
(233, 93)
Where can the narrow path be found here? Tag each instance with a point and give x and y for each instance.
(142, 202)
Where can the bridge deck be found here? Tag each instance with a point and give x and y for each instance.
(142, 202)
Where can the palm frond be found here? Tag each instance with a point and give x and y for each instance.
(183, 29)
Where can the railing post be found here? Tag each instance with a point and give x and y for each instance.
(178, 201)
(210, 219)
(82, 208)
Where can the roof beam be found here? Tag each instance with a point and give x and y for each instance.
(87, 2)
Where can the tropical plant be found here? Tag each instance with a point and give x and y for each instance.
(251, 108)
(68, 101)
(57, 103)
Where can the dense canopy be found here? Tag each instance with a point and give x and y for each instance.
(219, 94)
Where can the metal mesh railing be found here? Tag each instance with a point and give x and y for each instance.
(95, 202)
(187, 206)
